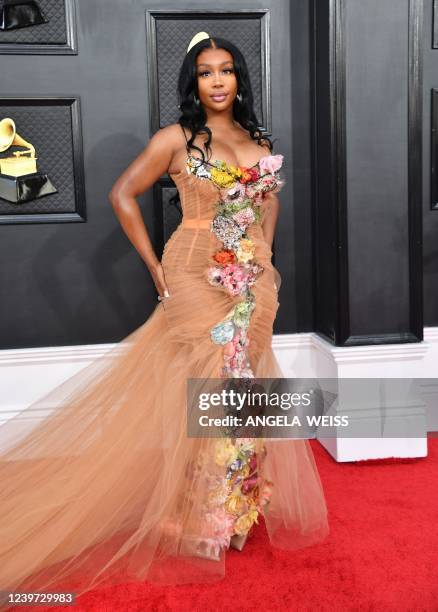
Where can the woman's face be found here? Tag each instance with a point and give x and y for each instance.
(217, 82)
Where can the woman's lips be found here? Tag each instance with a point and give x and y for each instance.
(218, 97)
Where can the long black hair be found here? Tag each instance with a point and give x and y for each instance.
(193, 116)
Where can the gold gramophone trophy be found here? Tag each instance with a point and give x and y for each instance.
(20, 180)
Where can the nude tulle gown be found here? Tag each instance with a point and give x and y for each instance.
(108, 488)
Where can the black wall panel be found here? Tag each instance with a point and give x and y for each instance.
(430, 210)
(80, 283)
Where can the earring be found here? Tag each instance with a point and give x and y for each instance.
(239, 97)
(196, 101)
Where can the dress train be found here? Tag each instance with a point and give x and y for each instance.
(108, 488)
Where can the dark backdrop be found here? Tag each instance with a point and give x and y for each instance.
(430, 217)
(80, 283)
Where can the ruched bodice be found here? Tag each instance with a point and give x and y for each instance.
(198, 196)
(189, 257)
(193, 243)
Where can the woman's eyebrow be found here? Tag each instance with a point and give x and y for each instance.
(221, 64)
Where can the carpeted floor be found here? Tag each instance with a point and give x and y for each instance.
(381, 554)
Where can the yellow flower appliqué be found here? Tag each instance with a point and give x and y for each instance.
(226, 452)
(245, 522)
(246, 250)
(222, 178)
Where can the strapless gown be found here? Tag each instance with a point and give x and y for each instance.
(108, 488)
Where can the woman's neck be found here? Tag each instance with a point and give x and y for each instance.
(221, 121)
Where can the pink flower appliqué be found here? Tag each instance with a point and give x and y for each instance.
(244, 217)
(271, 163)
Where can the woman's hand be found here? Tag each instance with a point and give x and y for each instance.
(157, 274)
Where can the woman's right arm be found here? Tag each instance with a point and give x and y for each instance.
(138, 177)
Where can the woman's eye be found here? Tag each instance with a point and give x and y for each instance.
(228, 70)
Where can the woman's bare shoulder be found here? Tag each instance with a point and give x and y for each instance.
(169, 136)
(265, 144)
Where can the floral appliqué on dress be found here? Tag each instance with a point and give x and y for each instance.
(237, 498)
(235, 268)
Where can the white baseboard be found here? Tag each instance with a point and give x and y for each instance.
(308, 356)
(28, 374)
(356, 449)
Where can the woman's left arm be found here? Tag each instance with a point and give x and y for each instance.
(269, 223)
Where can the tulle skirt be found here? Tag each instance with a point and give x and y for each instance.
(109, 488)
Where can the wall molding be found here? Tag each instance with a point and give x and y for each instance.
(183, 17)
(70, 47)
(332, 242)
(280, 342)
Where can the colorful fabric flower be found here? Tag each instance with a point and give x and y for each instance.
(249, 483)
(246, 250)
(236, 192)
(271, 163)
(246, 444)
(245, 522)
(235, 278)
(244, 217)
(221, 178)
(222, 332)
(246, 175)
(254, 173)
(224, 256)
(226, 452)
(227, 231)
(235, 171)
(242, 313)
(268, 182)
(236, 497)
(198, 168)
(235, 502)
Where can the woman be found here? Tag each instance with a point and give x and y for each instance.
(109, 487)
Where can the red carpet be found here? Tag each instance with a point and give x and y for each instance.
(381, 554)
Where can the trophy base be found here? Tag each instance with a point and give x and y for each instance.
(16, 14)
(20, 189)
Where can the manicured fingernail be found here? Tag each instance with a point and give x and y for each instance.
(166, 293)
